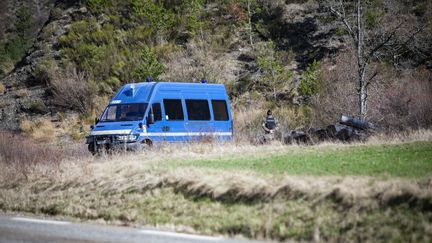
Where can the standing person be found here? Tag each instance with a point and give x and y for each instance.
(270, 124)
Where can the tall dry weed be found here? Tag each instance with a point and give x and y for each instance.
(401, 137)
(20, 153)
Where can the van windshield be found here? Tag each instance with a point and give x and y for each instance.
(124, 112)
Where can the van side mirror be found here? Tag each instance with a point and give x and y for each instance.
(150, 119)
(96, 120)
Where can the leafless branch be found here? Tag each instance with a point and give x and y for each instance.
(415, 33)
(382, 43)
(342, 17)
(371, 78)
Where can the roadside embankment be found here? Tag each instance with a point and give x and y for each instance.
(331, 192)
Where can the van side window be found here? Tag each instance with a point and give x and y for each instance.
(157, 112)
(198, 110)
(220, 111)
(173, 110)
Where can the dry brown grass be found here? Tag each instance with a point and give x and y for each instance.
(18, 155)
(2, 88)
(401, 137)
(41, 130)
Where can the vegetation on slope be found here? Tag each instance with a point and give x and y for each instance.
(13, 48)
(291, 56)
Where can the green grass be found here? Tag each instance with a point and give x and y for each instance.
(410, 160)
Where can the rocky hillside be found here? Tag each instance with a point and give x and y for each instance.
(63, 57)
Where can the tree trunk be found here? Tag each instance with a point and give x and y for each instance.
(250, 22)
(362, 96)
(362, 91)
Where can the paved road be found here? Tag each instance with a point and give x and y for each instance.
(22, 229)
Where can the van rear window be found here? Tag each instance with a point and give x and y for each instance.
(198, 110)
(220, 111)
(173, 110)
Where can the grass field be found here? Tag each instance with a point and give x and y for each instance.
(375, 192)
(411, 160)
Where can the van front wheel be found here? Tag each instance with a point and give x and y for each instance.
(92, 149)
(145, 145)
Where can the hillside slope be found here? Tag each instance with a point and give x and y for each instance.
(81, 52)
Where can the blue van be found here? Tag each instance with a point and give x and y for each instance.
(141, 114)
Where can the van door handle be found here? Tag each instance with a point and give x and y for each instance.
(165, 128)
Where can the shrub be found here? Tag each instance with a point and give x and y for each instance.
(71, 90)
(39, 107)
(6, 64)
(26, 126)
(149, 67)
(274, 76)
(310, 82)
(247, 123)
(22, 93)
(44, 70)
(404, 105)
(48, 31)
(337, 94)
(77, 135)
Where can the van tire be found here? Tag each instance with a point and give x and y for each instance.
(92, 149)
(144, 145)
(147, 143)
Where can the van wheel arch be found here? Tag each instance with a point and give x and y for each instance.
(147, 142)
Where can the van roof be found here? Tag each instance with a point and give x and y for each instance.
(141, 92)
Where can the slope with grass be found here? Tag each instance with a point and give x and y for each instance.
(332, 192)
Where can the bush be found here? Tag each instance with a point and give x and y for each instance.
(404, 105)
(39, 107)
(71, 90)
(338, 94)
(44, 70)
(310, 82)
(149, 67)
(274, 77)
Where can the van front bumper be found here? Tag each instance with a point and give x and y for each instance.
(109, 142)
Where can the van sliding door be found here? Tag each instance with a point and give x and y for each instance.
(199, 123)
(174, 125)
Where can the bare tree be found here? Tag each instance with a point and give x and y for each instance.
(370, 43)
